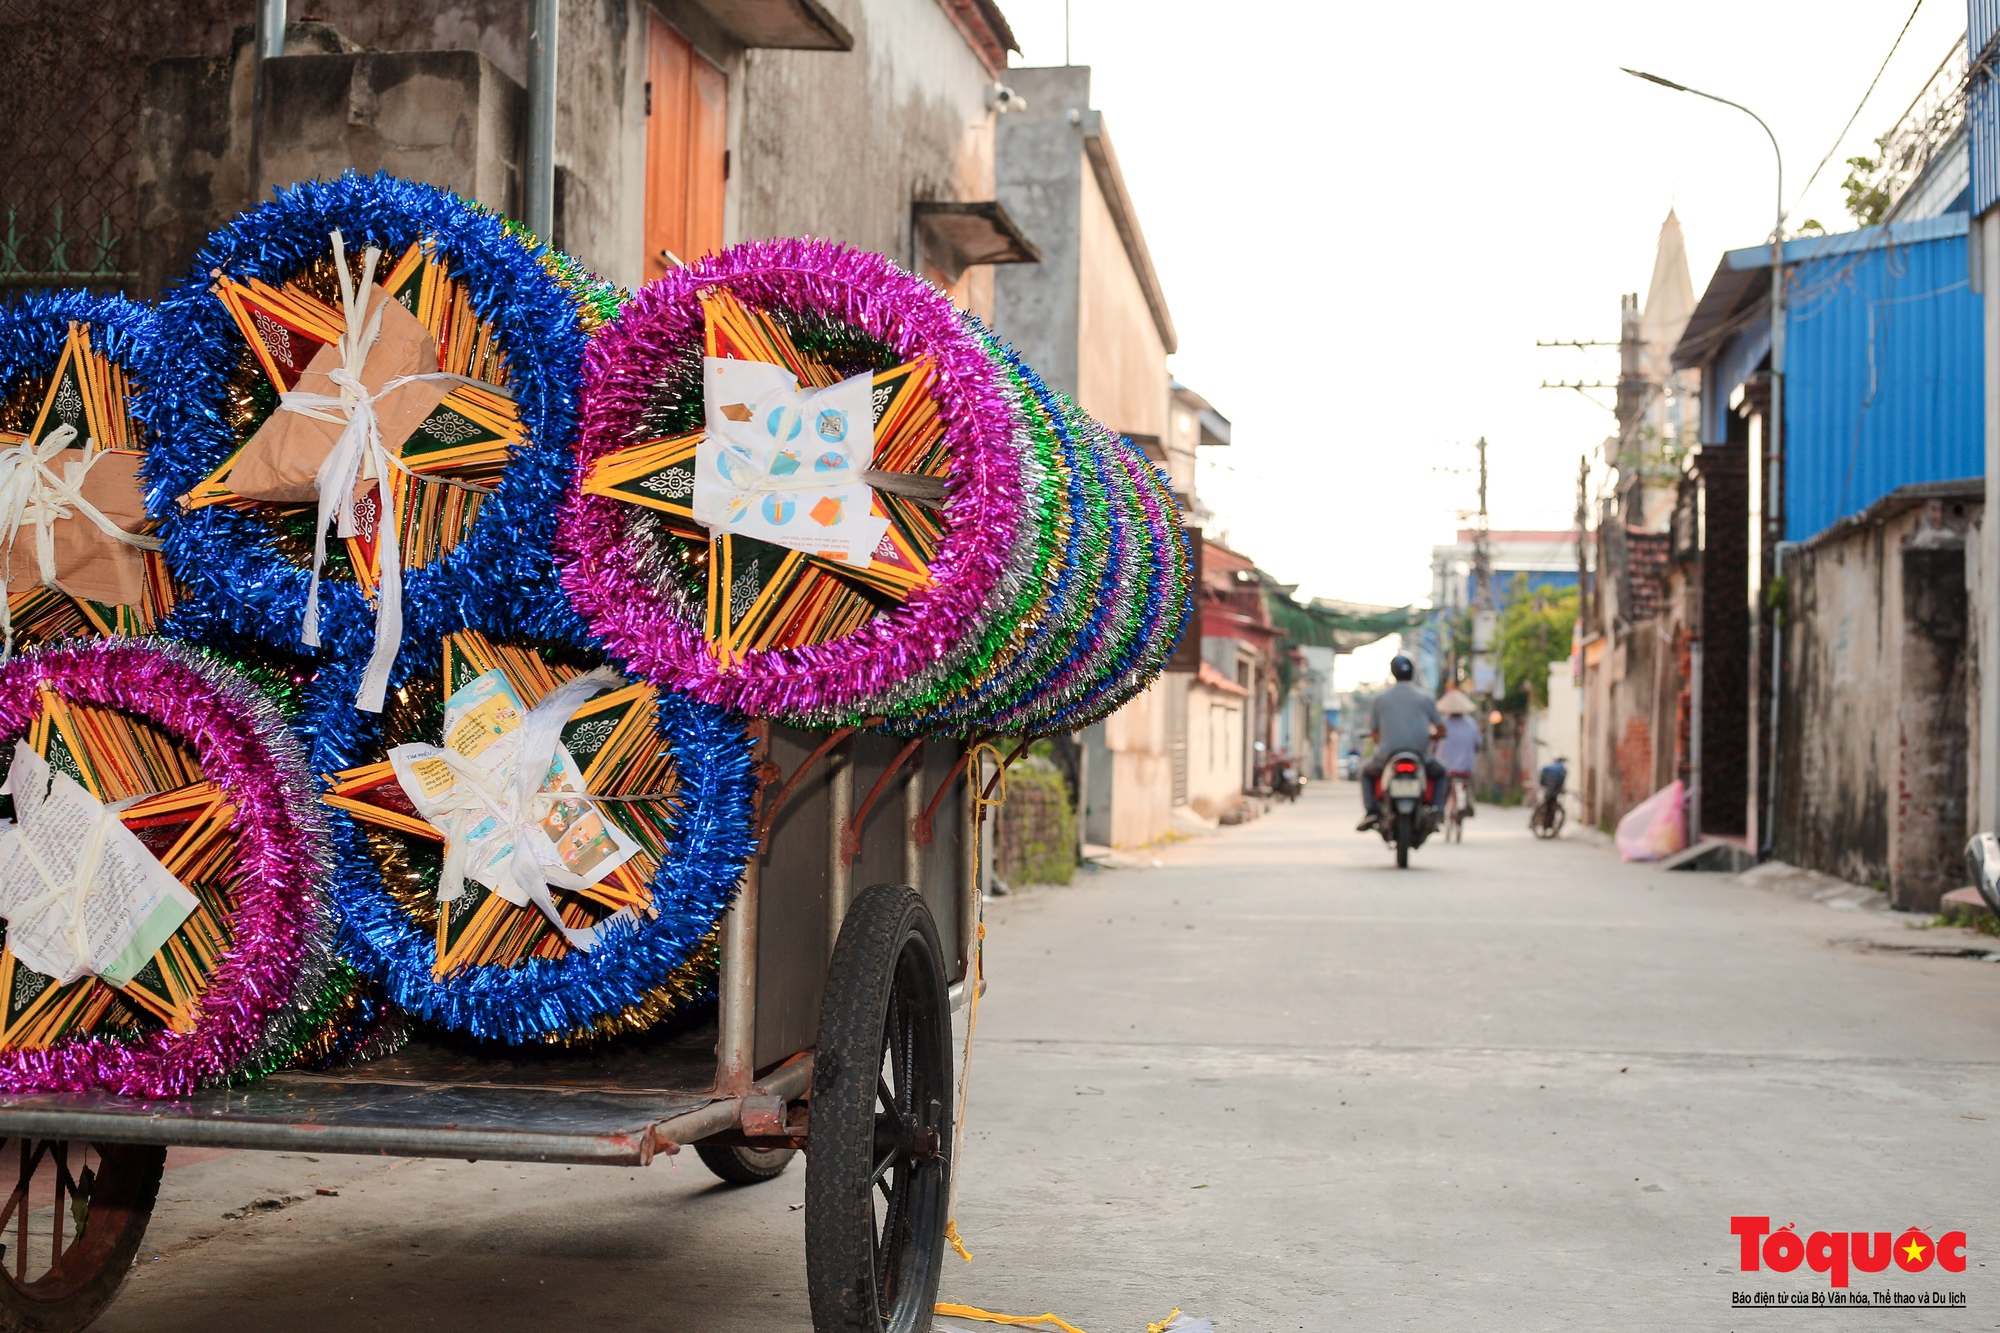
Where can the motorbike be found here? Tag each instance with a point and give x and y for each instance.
(1982, 862)
(1409, 814)
(1279, 776)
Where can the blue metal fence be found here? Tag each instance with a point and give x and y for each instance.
(1884, 383)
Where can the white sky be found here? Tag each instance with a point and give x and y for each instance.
(1364, 215)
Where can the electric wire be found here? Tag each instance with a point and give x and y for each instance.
(1842, 136)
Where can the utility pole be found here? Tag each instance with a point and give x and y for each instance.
(1582, 631)
(1482, 547)
(1485, 620)
(1766, 473)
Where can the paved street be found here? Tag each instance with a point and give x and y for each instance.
(1277, 1083)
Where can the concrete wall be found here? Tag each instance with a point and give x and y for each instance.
(1121, 360)
(447, 117)
(1874, 742)
(1080, 316)
(1142, 778)
(825, 143)
(1038, 177)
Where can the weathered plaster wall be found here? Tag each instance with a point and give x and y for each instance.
(841, 144)
(1142, 778)
(1215, 750)
(1843, 679)
(1875, 747)
(1927, 841)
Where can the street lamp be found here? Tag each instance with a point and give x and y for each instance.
(1774, 432)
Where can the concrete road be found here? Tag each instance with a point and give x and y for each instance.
(1277, 1083)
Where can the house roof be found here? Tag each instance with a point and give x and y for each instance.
(1740, 292)
(1214, 427)
(1215, 680)
(985, 28)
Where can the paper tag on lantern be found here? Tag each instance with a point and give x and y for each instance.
(784, 465)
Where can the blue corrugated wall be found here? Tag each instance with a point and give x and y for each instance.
(1883, 379)
(1982, 110)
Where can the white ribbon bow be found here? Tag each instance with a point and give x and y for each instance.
(514, 799)
(33, 493)
(357, 456)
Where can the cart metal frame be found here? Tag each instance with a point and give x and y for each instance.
(745, 1082)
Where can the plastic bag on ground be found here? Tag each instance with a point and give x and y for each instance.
(1656, 827)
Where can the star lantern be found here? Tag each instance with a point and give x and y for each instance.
(782, 452)
(74, 535)
(601, 816)
(177, 824)
(390, 388)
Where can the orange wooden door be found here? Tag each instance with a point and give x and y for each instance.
(687, 109)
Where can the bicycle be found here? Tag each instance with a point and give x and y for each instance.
(1547, 820)
(1457, 800)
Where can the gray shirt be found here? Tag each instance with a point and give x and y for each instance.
(1403, 716)
(1460, 743)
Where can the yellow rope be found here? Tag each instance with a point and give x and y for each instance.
(976, 774)
(975, 974)
(1018, 1320)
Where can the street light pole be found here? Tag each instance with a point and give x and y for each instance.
(1771, 510)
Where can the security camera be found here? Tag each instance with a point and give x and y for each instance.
(1003, 99)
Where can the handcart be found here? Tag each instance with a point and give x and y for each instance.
(851, 942)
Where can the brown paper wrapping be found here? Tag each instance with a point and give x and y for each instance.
(282, 460)
(90, 563)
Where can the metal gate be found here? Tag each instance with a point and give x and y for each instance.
(72, 75)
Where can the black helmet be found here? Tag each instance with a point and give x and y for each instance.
(1401, 667)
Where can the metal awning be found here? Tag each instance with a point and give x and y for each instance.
(784, 25)
(971, 232)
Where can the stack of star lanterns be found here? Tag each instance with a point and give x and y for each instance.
(370, 464)
(434, 581)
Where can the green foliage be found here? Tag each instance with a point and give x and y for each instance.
(1867, 197)
(1036, 837)
(1535, 631)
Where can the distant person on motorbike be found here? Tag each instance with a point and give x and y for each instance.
(1402, 718)
(1460, 743)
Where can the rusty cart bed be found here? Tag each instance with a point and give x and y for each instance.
(844, 812)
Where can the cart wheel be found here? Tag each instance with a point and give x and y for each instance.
(70, 1230)
(745, 1166)
(877, 1173)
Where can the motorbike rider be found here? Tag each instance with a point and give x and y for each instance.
(1402, 717)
